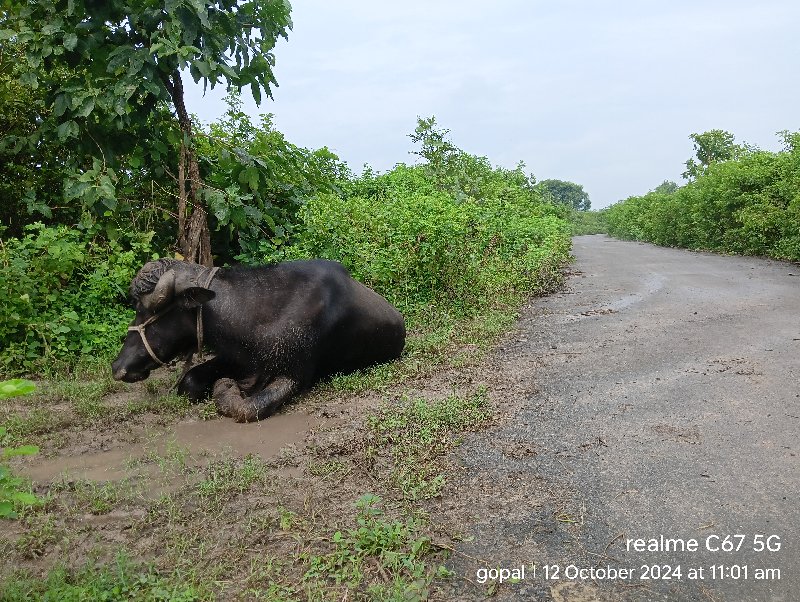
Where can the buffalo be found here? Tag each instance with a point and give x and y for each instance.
(274, 330)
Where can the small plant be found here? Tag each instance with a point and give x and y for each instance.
(419, 432)
(287, 519)
(40, 533)
(12, 489)
(228, 477)
(15, 388)
(207, 411)
(391, 549)
(327, 468)
(121, 581)
(166, 404)
(99, 498)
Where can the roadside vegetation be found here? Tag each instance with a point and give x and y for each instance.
(738, 199)
(453, 241)
(587, 222)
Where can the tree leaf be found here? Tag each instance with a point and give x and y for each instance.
(29, 79)
(68, 129)
(70, 41)
(16, 387)
(86, 108)
(255, 88)
(60, 105)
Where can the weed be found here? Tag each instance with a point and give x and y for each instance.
(419, 432)
(122, 581)
(168, 404)
(228, 477)
(207, 411)
(287, 520)
(327, 468)
(13, 489)
(390, 550)
(157, 386)
(100, 498)
(40, 533)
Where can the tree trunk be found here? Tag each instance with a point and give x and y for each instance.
(194, 237)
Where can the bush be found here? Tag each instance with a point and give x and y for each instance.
(423, 250)
(62, 293)
(586, 222)
(750, 205)
(449, 239)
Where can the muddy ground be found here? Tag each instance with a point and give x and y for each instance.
(666, 403)
(656, 395)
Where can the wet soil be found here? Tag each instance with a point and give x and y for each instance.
(196, 437)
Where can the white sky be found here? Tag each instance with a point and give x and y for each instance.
(604, 94)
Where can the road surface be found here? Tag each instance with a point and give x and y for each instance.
(653, 417)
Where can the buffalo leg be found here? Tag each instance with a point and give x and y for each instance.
(231, 402)
(198, 383)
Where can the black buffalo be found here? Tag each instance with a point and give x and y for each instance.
(274, 330)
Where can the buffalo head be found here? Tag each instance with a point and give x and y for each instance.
(167, 296)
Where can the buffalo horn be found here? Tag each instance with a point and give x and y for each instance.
(163, 292)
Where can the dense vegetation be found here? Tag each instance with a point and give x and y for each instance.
(454, 242)
(738, 200)
(84, 207)
(444, 242)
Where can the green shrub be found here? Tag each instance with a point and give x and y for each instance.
(748, 205)
(586, 222)
(62, 294)
(423, 250)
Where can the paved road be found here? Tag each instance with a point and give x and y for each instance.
(662, 400)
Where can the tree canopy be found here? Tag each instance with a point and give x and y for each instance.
(666, 187)
(710, 147)
(566, 193)
(108, 68)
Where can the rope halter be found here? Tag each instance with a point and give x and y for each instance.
(141, 327)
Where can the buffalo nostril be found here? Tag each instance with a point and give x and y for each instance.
(119, 374)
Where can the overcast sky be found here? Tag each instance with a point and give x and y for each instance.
(604, 94)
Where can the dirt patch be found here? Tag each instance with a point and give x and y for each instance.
(240, 509)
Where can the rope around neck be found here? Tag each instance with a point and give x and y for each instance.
(209, 276)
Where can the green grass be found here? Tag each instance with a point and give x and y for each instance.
(121, 581)
(228, 477)
(41, 532)
(391, 557)
(82, 400)
(95, 497)
(418, 433)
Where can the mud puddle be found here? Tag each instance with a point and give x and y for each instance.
(196, 438)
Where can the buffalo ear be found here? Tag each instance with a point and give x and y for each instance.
(195, 296)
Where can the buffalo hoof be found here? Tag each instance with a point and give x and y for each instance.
(230, 401)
